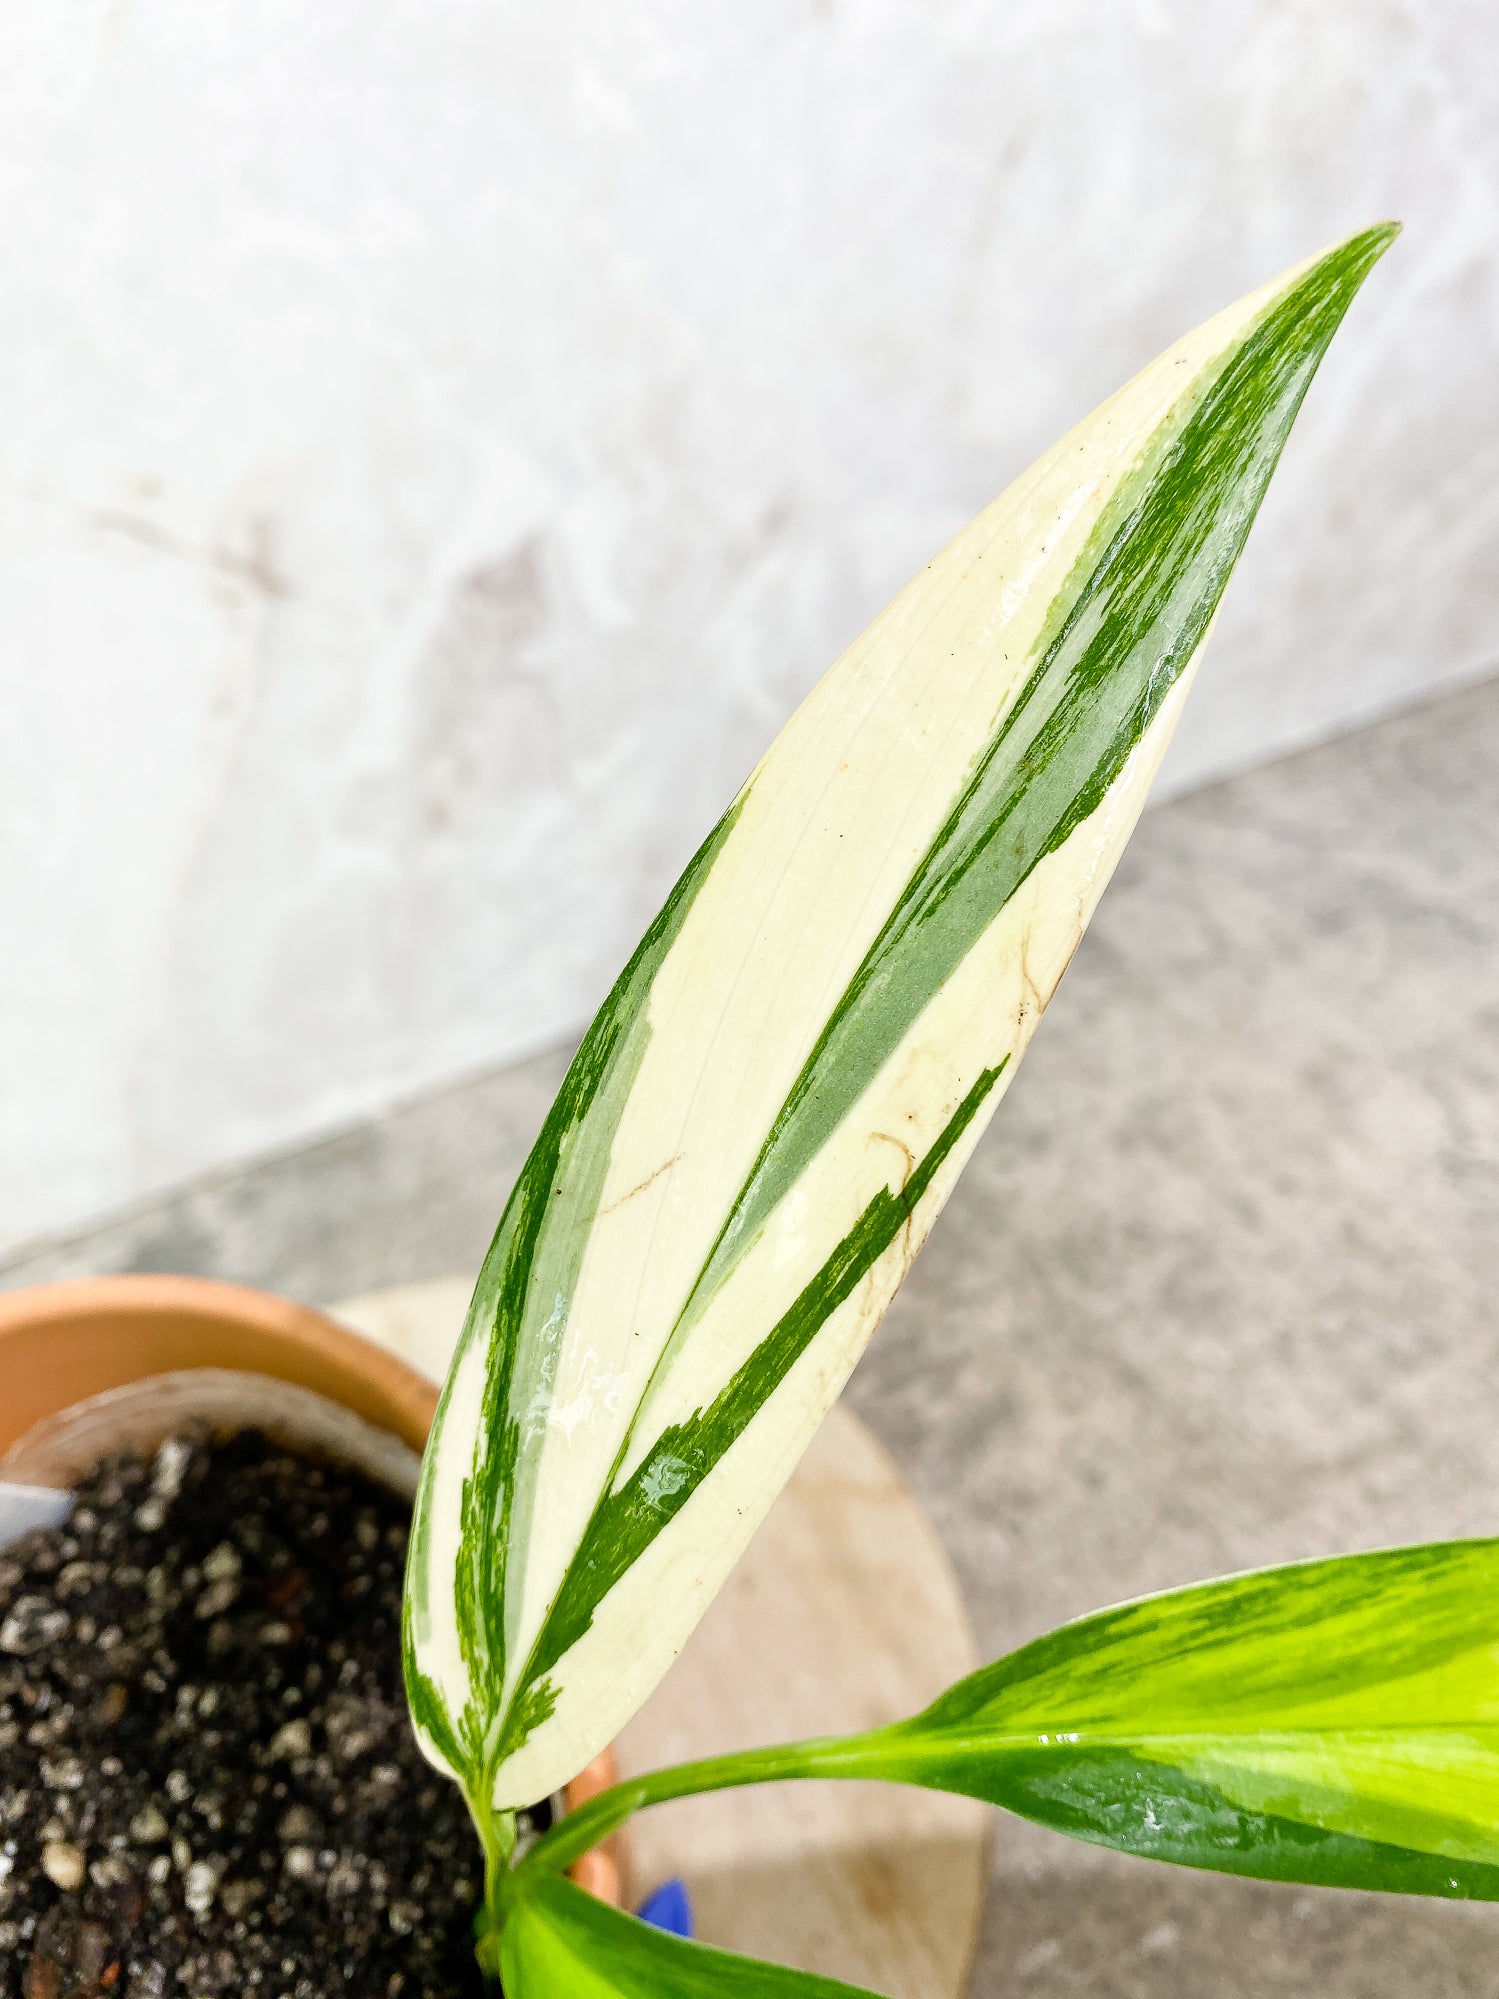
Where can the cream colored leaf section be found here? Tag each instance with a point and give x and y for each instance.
(988, 1010)
(830, 828)
(444, 1473)
(1383, 1785)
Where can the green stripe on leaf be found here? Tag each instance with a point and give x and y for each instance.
(536, 1248)
(627, 1521)
(1127, 622)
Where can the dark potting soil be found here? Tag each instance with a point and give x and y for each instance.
(208, 1783)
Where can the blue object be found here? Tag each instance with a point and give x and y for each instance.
(669, 1909)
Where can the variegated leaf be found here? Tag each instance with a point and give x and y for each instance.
(1333, 1722)
(778, 1095)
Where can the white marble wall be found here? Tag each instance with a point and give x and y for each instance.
(441, 442)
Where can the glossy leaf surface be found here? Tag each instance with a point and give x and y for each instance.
(777, 1097)
(1332, 1722)
(560, 1941)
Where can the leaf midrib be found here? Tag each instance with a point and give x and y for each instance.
(1113, 1735)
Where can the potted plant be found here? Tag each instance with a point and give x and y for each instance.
(752, 1143)
(744, 1158)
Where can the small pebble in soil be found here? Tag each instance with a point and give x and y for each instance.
(208, 1783)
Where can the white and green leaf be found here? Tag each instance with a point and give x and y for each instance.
(774, 1102)
(1332, 1722)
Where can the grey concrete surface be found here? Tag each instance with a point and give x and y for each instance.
(1218, 1288)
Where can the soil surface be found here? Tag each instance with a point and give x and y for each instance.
(208, 1783)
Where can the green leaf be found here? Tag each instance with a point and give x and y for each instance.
(1332, 1722)
(558, 1940)
(778, 1095)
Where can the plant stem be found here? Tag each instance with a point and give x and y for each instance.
(828, 1756)
(497, 1833)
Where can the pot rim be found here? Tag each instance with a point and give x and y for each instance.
(310, 1349)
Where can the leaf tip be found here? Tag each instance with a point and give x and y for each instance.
(1380, 236)
(1360, 252)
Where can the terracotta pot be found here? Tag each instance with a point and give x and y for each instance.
(141, 1353)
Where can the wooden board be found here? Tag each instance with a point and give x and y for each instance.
(844, 1613)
